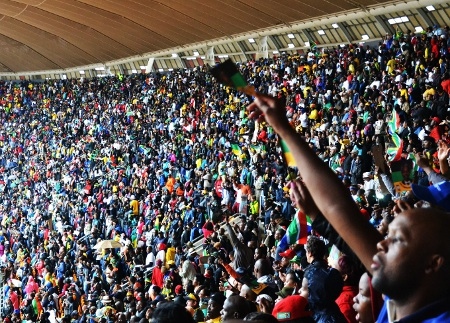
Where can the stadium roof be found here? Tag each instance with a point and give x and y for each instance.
(63, 35)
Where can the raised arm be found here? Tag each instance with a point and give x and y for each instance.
(327, 191)
(443, 153)
(433, 177)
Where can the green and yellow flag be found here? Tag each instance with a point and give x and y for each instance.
(228, 74)
(236, 150)
(287, 154)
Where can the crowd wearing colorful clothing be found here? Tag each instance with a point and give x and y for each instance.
(105, 184)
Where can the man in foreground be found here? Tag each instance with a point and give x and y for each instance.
(411, 266)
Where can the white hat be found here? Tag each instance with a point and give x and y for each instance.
(366, 175)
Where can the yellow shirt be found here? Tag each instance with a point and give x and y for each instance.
(134, 205)
(170, 254)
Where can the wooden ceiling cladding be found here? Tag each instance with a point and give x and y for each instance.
(38, 35)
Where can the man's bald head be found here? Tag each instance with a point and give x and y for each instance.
(247, 293)
(263, 268)
(235, 307)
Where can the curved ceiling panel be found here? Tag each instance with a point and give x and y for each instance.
(43, 35)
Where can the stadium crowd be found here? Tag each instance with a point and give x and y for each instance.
(102, 179)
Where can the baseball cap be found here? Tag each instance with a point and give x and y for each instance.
(178, 289)
(192, 297)
(438, 194)
(285, 292)
(291, 308)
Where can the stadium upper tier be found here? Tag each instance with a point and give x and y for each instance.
(71, 38)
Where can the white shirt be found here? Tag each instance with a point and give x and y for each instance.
(150, 259)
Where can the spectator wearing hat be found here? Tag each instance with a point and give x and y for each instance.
(369, 183)
(193, 301)
(292, 309)
(161, 254)
(284, 292)
(179, 295)
(157, 275)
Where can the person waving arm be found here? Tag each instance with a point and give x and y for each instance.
(326, 189)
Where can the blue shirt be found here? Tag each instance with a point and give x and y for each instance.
(433, 313)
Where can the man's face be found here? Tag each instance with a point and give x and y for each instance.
(213, 309)
(277, 235)
(400, 263)
(191, 303)
(426, 144)
(227, 310)
(406, 171)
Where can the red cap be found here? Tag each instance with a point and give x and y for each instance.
(436, 119)
(291, 308)
(290, 253)
(178, 289)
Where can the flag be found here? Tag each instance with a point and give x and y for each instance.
(228, 74)
(415, 166)
(394, 152)
(287, 154)
(394, 123)
(297, 232)
(335, 162)
(258, 148)
(398, 33)
(313, 44)
(144, 150)
(236, 150)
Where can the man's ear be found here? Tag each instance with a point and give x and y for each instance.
(434, 264)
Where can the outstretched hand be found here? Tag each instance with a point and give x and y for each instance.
(302, 198)
(269, 109)
(443, 150)
(422, 160)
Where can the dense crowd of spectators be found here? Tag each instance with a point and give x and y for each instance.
(150, 161)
